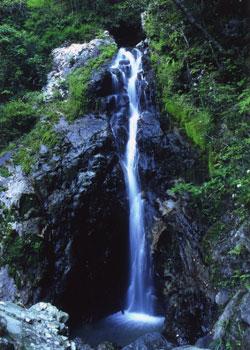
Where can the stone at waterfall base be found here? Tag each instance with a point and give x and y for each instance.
(155, 341)
(41, 327)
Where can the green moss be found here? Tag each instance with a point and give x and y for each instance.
(244, 101)
(80, 100)
(237, 250)
(196, 123)
(4, 172)
(35, 3)
(42, 134)
(16, 118)
(21, 253)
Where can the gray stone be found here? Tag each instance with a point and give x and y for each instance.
(5, 157)
(7, 286)
(43, 150)
(106, 346)
(150, 341)
(38, 328)
(245, 308)
(80, 345)
(246, 339)
(221, 324)
(204, 342)
(222, 297)
(17, 186)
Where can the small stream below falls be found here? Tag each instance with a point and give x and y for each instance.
(130, 103)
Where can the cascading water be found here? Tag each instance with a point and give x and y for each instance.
(128, 68)
(127, 106)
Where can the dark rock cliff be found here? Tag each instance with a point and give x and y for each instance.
(76, 205)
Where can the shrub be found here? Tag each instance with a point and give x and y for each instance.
(16, 118)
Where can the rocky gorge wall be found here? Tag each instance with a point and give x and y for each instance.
(64, 223)
(200, 54)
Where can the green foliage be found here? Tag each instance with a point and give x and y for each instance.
(21, 253)
(13, 11)
(28, 33)
(42, 134)
(4, 172)
(16, 118)
(30, 29)
(244, 101)
(15, 71)
(182, 187)
(207, 93)
(79, 98)
(36, 3)
(237, 250)
(196, 123)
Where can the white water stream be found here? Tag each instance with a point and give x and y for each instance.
(140, 292)
(138, 317)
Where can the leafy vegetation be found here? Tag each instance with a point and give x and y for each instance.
(204, 86)
(15, 248)
(207, 91)
(30, 29)
(17, 117)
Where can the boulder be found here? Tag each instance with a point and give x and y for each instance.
(150, 341)
(106, 346)
(40, 327)
(233, 324)
(222, 297)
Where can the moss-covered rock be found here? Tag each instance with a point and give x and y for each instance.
(203, 86)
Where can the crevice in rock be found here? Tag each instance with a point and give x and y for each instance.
(127, 35)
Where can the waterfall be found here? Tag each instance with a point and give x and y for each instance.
(130, 108)
(129, 85)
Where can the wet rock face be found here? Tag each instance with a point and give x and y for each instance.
(8, 288)
(181, 274)
(233, 326)
(88, 219)
(76, 204)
